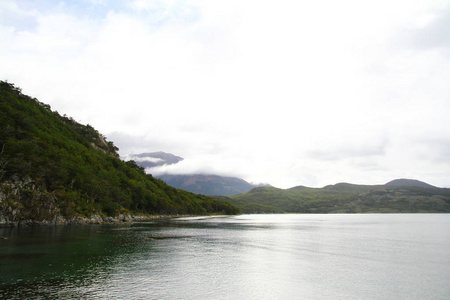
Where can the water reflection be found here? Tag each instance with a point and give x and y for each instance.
(261, 257)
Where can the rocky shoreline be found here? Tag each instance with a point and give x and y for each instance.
(94, 219)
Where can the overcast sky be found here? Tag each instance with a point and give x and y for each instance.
(281, 92)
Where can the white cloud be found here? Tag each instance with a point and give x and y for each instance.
(283, 92)
(142, 159)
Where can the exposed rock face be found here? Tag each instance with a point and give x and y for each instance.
(40, 207)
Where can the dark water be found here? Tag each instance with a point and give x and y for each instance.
(388, 256)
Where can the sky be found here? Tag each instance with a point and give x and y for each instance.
(281, 92)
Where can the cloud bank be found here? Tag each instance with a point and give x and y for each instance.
(308, 93)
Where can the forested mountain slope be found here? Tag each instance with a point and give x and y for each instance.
(54, 169)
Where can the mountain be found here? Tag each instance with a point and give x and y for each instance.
(155, 159)
(408, 183)
(196, 183)
(398, 196)
(208, 184)
(55, 170)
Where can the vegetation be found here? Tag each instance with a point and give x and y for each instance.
(51, 166)
(406, 197)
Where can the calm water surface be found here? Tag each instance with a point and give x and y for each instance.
(371, 256)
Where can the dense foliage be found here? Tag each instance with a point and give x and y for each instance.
(50, 165)
(344, 198)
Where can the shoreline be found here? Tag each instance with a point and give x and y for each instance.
(94, 219)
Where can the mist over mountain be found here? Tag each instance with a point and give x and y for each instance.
(154, 159)
(205, 184)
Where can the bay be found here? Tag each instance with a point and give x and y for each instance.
(298, 256)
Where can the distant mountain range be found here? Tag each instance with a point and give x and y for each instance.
(397, 196)
(205, 184)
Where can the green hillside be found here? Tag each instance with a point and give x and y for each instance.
(405, 196)
(53, 168)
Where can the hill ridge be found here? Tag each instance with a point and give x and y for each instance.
(397, 196)
(404, 182)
